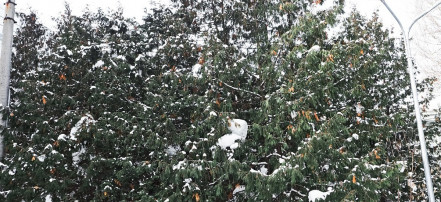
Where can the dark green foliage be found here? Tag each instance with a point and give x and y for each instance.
(106, 109)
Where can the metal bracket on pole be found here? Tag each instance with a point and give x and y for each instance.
(425, 158)
(10, 2)
(9, 18)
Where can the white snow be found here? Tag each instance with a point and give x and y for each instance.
(76, 155)
(100, 63)
(48, 198)
(62, 137)
(172, 150)
(315, 48)
(179, 165)
(238, 127)
(359, 108)
(228, 140)
(355, 136)
(318, 195)
(293, 114)
(327, 5)
(212, 113)
(86, 120)
(196, 70)
(239, 189)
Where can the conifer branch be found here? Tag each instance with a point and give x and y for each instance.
(239, 89)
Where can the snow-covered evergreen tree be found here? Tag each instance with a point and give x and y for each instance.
(219, 100)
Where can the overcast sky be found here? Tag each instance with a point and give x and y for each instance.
(46, 9)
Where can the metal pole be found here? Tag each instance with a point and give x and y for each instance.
(5, 62)
(415, 101)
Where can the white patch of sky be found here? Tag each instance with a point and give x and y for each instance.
(47, 9)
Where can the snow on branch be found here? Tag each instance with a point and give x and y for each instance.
(238, 89)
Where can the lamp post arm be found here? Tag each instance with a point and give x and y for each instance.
(396, 18)
(422, 15)
(424, 155)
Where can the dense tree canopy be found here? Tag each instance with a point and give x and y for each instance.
(212, 100)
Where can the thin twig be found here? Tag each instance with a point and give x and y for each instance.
(235, 88)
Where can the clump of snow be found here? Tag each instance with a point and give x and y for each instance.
(100, 63)
(326, 5)
(228, 140)
(62, 137)
(76, 155)
(172, 150)
(318, 195)
(180, 165)
(212, 113)
(238, 127)
(293, 114)
(355, 136)
(85, 121)
(238, 189)
(196, 70)
(315, 48)
(48, 198)
(359, 108)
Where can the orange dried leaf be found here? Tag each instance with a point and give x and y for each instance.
(220, 83)
(289, 127)
(36, 187)
(33, 158)
(361, 51)
(376, 154)
(291, 89)
(316, 116)
(117, 182)
(105, 193)
(53, 171)
(330, 58)
(201, 61)
(44, 100)
(274, 52)
(62, 77)
(342, 151)
(11, 114)
(353, 179)
(196, 197)
(307, 115)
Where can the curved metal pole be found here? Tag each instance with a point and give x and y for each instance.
(416, 102)
(422, 15)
